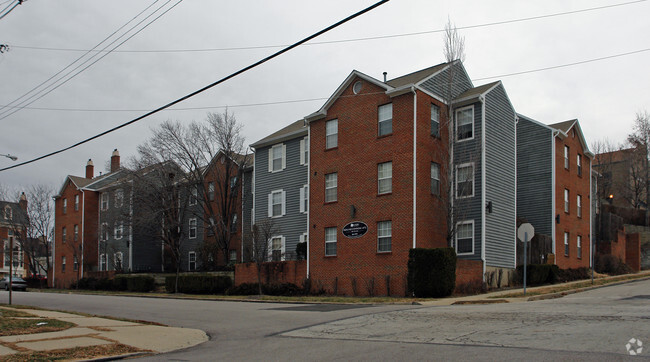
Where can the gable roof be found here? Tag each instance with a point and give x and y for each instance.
(417, 76)
(566, 126)
(476, 91)
(295, 129)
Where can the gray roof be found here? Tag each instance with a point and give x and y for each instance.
(416, 77)
(477, 91)
(564, 126)
(293, 130)
(18, 214)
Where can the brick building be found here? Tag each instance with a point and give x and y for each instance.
(12, 231)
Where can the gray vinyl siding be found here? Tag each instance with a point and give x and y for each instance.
(535, 175)
(112, 216)
(438, 83)
(500, 179)
(467, 209)
(291, 179)
(187, 244)
(247, 208)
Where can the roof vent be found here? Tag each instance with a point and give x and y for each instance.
(385, 74)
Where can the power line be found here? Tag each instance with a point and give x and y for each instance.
(325, 98)
(347, 40)
(34, 97)
(18, 2)
(245, 69)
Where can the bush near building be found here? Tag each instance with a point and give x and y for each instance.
(199, 284)
(431, 272)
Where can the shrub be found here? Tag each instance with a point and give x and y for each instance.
(537, 274)
(140, 283)
(569, 275)
(244, 289)
(120, 282)
(199, 284)
(431, 272)
(610, 264)
(277, 289)
(470, 288)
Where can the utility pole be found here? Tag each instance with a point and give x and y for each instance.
(11, 266)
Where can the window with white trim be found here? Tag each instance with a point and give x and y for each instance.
(276, 248)
(233, 182)
(119, 198)
(579, 205)
(435, 120)
(331, 182)
(64, 234)
(192, 228)
(233, 256)
(65, 209)
(566, 157)
(330, 241)
(75, 263)
(76, 202)
(579, 164)
(579, 245)
(304, 199)
(384, 236)
(332, 133)
(63, 264)
(277, 157)
(211, 190)
(465, 180)
(385, 119)
(435, 178)
(191, 261)
(304, 151)
(233, 224)
(102, 262)
(465, 123)
(75, 236)
(566, 244)
(465, 238)
(566, 201)
(194, 195)
(385, 178)
(119, 230)
(277, 203)
(104, 231)
(104, 201)
(117, 260)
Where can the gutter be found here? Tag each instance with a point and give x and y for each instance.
(415, 154)
(483, 184)
(554, 134)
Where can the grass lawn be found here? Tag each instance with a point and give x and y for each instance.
(80, 353)
(15, 326)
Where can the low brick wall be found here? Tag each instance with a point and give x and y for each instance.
(633, 251)
(469, 271)
(293, 271)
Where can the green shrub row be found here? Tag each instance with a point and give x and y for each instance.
(431, 272)
(279, 289)
(538, 274)
(199, 284)
(131, 283)
(610, 264)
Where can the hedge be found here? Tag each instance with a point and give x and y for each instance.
(538, 274)
(431, 272)
(131, 283)
(199, 284)
(277, 289)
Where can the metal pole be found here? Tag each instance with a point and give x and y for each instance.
(11, 265)
(525, 259)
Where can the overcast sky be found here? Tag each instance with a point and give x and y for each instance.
(604, 95)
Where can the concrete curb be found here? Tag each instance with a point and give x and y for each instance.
(580, 290)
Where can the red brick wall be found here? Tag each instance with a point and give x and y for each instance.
(294, 271)
(633, 251)
(577, 185)
(468, 271)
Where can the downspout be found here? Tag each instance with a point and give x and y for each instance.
(554, 134)
(415, 154)
(83, 228)
(516, 183)
(309, 189)
(483, 184)
(130, 231)
(53, 254)
(243, 212)
(591, 218)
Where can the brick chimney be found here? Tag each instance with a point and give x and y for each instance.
(115, 161)
(90, 169)
(23, 201)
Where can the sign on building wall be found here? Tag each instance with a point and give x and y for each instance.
(355, 229)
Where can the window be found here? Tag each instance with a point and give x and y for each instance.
(465, 123)
(331, 181)
(385, 177)
(117, 260)
(435, 120)
(63, 264)
(210, 229)
(385, 119)
(119, 198)
(119, 230)
(566, 201)
(304, 151)
(276, 248)
(194, 195)
(65, 208)
(104, 201)
(435, 178)
(465, 237)
(566, 157)
(330, 241)
(104, 231)
(465, 180)
(76, 233)
(277, 155)
(233, 224)
(211, 191)
(566, 244)
(579, 164)
(64, 234)
(8, 213)
(277, 201)
(191, 261)
(579, 243)
(384, 236)
(233, 182)
(76, 202)
(102, 262)
(304, 199)
(233, 256)
(579, 205)
(192, 225)
(75, 263)
(332, 133)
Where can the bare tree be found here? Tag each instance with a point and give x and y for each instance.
(604, 164)
(259, 247)
(40, 227)
(640, 140)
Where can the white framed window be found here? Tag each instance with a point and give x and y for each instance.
(566, 157)
(65, 209)
(117, 260)
(102, 262)
(385, 119)
(330, 241)
(63, 264)
(579, 245)
(304, 199)
(465, 238)
(579, 164)
(304, 151)
(76, 233)
(277, 157)
(331, 182)
(194, 195)
(384, 236)
(579, 205)
(192, 228)
(64, 234)
(211, 191)
(76, 202)
(435, 178)
(465, 123)
(191, 261)
(435, 120)
(385, 178)
(104, 201)
(233, 182)
(119, 198)
(75, 263)
(566, 243)
(233, 256)
(566, 201)
(233, 224)
(119, 230)
(332, 133)
(465, 180)
(277, 203)
(277, 248)
(104, 231)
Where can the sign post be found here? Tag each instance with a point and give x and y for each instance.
(525, 233)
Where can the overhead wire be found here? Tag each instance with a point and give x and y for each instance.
(18, 2)
(209, 86)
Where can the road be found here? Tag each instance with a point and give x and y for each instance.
(593, 325)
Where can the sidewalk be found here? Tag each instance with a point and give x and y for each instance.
(93, 331)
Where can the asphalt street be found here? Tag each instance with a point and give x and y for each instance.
(593, 325)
